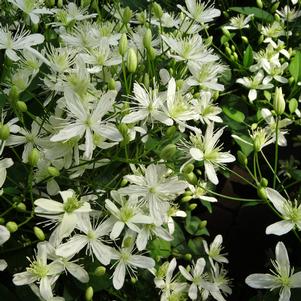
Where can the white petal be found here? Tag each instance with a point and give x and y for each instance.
(142, 261)
(118, 276)
(193, 292)
(117, 228)
(285, 294)
(276, 198)
(210, 172)
(282, 257)
(24, 278)
(185, 274)
(78, 272)
(252, 95)
(45, 288)
(4, 235)
(67, 224)
(102, 252)
(280, 228)
(49, 206)
(262, 281)
(73, 246)
(196, 154)
(295, 280)
(3, 265)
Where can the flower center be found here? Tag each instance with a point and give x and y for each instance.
(38, 269)
(71, 205)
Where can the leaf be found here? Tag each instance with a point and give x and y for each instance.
(248, 57)
(160, 248)
(196, 245)
(2, 99)
(295, 66)
(233, 113)
(257, 12)
(245, 148)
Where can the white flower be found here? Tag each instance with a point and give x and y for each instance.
(168, 284)
(239, 22)
(31, 8)
(129, 214)
(290, 213)
(148, 107)
(156, 186)
(87, 122)
(92, 238)
(190, 49)
(214, 250)
(65, 214)
(39, 270)
(198, 278)
(289, 14)
(21, 40)
(4, 164)
(201, 12)
(283, 277)
(204, 148)
(127, 261)
(4, 236)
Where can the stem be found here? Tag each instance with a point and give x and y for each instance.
(276, 153)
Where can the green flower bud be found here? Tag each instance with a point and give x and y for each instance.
(53, 171)
(264, 182)
(278, 101)
(203, 224)
(275, 7)
(151, 53)
(157, 10)
(20, 207)
(257, 143)
(191, 178)
(242, 158)
(147, 39)
(2, 220)
(146, 80)
(4, 131)
(187, 193)
(132, 61)
(171, 131)
(100, 271)
(186, 199)
(188, 256)
(228, 50)
(245, 39)
(235, 56)
(259, 3)
(85, 3)
(111, 84)
(168, 152)
(291, 80)
(39, 233)
(233, 48)
(13, 93)
(11, 226)
(134, 280)
(127, 15)
(21, 105)
(51, 3)
(127, 242)
(293, 105)
(33, 157)
(192, 206)
(188, 168)
(180, 83)
(89, 293)
(124, 182)
(262, 193)
(260, 40)
(123, 44)
(226, 32)
(267, 95)
(60, 3)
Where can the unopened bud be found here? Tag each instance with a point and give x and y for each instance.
(188, 256)
(259, 3)
(267, 95)
(21, 105)
(39, 233)
(53, 171)
(134, 280)
(191, 178)
(89, 293)
(13, 93)
(262, 193)
(226, 32)
(168, 152)
(146, 80)
(2, 220)
(124, 182)
(20, 207)
(192, 206)
(4, 131)
(188, 168)
(228, 50)
(245, 39)
(111, 84)
(11, 226)
(147, 39)
(279, 102)
(171, 131)
(100, 271)
(33, 157)
(203, 224)
(264, 182)
(127, 15)
(151, 53)
(123, 44)
(158, 12)
(132, 61)
(275, 6)
(186, 198)
(60, 3)
(293, 105)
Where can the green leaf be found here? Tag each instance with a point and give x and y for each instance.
(245, 148)
(233, 113)
(160, 248)
(257, 12)
(196, 245)
(248, 57)
(2, 99)
(295, 66)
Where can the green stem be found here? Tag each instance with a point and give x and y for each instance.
(276, 153)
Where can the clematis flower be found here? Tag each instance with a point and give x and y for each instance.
(282, 277)
(214, 250)
(290, 213)
(4, 236)
(204, 148)
(239, 22)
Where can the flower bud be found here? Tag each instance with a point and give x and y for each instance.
(151, 53)
(132, 61)
(202, 224)
(2, 220)
(278, 101)
(259, 3)
(4, 131)
(262, 193)
(274, 7)
(89, 293)
(264, 182)
(134, 280)
(21, 105)
(39, 233)
(186, 198)
(245, 39)
(53, 171)
(111, 84)
(60, 3)
(242, 158)
(146, 80)
(168, 152)
(191, 178)
(293, 105)
(171, 131)
(226, 32)
(127, 15)
(20, 207)
(228, 50)
(157, 10)
(235, 56)
(147, 39)
(123, 44)
(124, 182)
(33, 157)
(192, 206)
(188, 168)
(11, 226)
(267, 95)
(100, 271)
(13, 94)
(188, 256)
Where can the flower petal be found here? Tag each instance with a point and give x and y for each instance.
(262, 281)
(280, 228)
